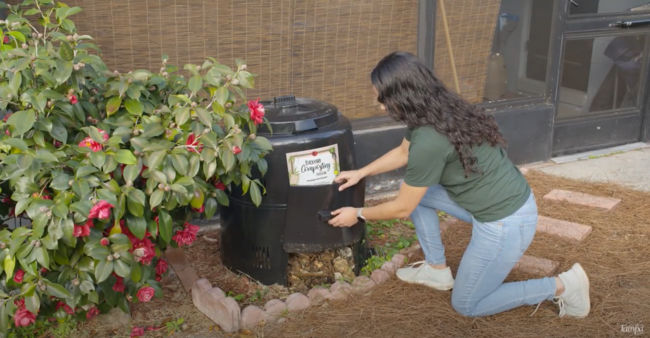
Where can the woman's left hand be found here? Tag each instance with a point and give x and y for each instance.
(345, 217)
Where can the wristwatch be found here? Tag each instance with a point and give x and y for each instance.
(360, 216)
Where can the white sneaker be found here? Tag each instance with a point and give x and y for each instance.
(426, 275)
(574, 301)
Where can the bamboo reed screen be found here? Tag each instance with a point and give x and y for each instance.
(471, 29)
(323, 49)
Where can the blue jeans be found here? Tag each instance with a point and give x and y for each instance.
(493, 251)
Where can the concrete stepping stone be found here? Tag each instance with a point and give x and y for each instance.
(568, 230)
(182, 267)
(537, 266)
(605, 203)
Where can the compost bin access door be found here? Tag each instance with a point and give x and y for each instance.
(305, 232)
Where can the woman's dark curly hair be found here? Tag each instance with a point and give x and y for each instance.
(413, 95)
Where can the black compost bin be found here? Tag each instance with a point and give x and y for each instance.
(312, 142)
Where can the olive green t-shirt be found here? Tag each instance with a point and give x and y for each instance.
(497, 191)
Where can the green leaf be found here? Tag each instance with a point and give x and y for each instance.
(136, 273)
(222, 95)
(228, 159)
(204, 116)
(222, 198)
(103, 270)
(46, 156)
(15, 82)
(58, 131)
(131, 173)
(98, 159)
(134, 107)
(86, 287)
(195, 84)
(263, 166)
(263, 143)
(182, 115)
(25, 161)
(66, 51)
(126, 157)
(165, 226)
(135, 208)
(16, 143)
(42, 257)
(122, 269)
(210, 208)
(137, 196)
(137, 226)
(180, 163)
(56, 290)
(62, 72)
(33, 303)
(60, 210)
(85, 171)
(119, 239)
(159, 177)
(156, 158)
(256, 195)
(9, 265)
(113, 105)
(23, 121)
(156, 198)
(153, 129)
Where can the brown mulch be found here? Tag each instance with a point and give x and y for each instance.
(616, 256)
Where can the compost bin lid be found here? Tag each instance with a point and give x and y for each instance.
(290, 115)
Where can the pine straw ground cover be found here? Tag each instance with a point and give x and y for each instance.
(616, 257)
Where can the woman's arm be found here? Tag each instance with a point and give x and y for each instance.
(408, 199)
(392, 160)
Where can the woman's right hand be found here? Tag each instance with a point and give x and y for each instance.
(350, 178)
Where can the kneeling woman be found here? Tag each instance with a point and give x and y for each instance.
(455, 163)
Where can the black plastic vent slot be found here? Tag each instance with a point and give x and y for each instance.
(262, 257)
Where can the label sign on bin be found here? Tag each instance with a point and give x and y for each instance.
(313, 167)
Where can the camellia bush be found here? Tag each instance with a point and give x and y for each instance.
(101, 171)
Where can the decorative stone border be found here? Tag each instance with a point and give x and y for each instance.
(226, 312)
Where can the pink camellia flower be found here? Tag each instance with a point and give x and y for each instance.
(145, 294)
(219, 185)
(192, 141)
(92, 313)
(65, 307)
(73, 99)
(161, 267)
(101, 210)
(20, 303)
(104, 241)
(6, 117)
(187, 236)
(143, 251)
(88, 142)
(137, 332)
(81, 230)
(119, 284)
(257, 111)
(18, 276)
(199, 210)
(6, 39)
(104, 135)
(24, 317)
(158, 278)
(236, 150)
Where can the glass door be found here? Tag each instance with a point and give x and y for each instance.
(604, 75)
